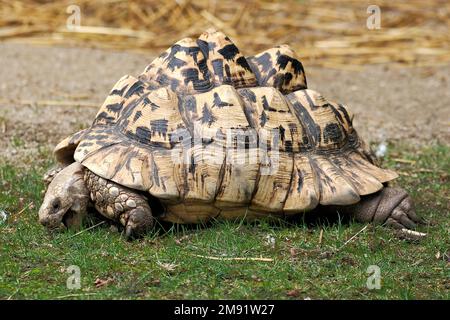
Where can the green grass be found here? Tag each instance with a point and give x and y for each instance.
(33, 263)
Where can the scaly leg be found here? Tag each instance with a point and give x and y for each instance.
(121, 204)
(390, 206)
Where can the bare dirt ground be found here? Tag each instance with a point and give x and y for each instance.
(390, 103)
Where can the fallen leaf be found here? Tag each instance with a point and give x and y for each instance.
(167, 266)
(293, 252)
(156, 282)
(293, 293)
(102, 282)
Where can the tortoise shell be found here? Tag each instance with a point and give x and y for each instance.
(142, 136)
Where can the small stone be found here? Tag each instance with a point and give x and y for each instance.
(123, 197)
(114, 191)
(118, 207)
(98, 196)
(110, 211)
(131, 203)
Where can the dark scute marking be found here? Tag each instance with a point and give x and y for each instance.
(192, 164)
(264, 61)
(191, 75)
(229, 51)
(137, 115)
(306, 119)
(324, 178)
(346, 115)
(300, 180)
(282, 132)
(147, 101)
(288, 145)
(212, 45)
(263, 119)
(203, 67)
(97, 137)
(218, 68)
(172, 61)
(219, 103)
(207, 116)
(175, 63)
(76, 137)
(269, 75)
(336, 113)
(86, 144)
(155, 173)
(193, 52)
(339, 118)
(283, 60)
(163, 55)
(332, 132)
(104, 116)
(125, 123)
(254, 68)
(241, 61)
(266, 105)
(118, 92)
(159, 126)
(228, 78)
(281, 80)
(310, 102)
(203, 45)
(137, 87)
(293, 128)
(174, 83)
(248, 94)
(115, 107)
(163, 79)
(287, 78)
(190, 103)
(143, 134)
(130, 156)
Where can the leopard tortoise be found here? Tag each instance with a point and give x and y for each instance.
(183, 144)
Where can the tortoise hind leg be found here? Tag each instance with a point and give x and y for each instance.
(120, 204)
(390, 206)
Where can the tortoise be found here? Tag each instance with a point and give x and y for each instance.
(182, 143)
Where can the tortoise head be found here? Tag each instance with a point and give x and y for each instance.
(66, 199)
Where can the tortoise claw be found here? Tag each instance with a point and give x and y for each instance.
(139, 222)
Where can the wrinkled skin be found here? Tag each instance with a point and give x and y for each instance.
(392, 207)
(66, 200)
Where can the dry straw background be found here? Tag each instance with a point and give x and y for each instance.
(325, 33)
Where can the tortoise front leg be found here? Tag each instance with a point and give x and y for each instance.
(120, 204)
(390, 206)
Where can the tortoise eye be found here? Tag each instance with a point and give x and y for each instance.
(56, 204)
